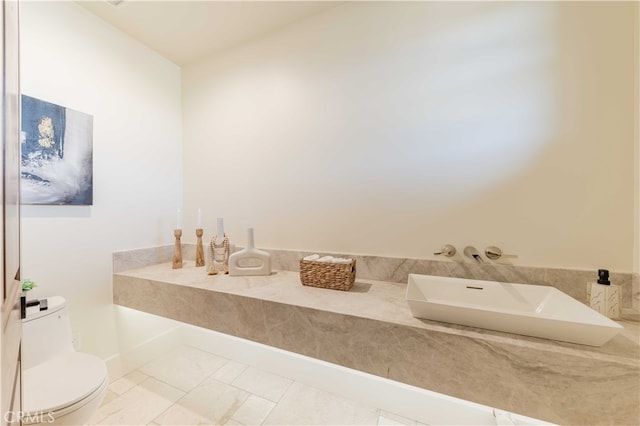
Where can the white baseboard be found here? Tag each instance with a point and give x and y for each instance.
(123, 363)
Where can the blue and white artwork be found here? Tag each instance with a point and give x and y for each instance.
(57, 154)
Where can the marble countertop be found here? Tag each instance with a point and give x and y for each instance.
(377, 300)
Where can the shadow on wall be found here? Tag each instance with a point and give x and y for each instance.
(551, 191)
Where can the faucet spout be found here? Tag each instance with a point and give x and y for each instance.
(473, 253)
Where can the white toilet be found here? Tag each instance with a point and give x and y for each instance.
(59, 385)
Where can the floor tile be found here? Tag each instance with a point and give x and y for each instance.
(184, 368)
(126, 382)
(192, 387)
(211, 402)
(305, 405)
(263, 384)
(253, 411)
(140, 405)
(229, 372)
(108, 397)
(178, 415)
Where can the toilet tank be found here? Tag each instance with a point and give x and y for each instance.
(46, 334)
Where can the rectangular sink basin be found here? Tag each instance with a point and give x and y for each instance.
(530, 310)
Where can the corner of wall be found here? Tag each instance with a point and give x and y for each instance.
(95, 68)
(636, 240)
(636, 245)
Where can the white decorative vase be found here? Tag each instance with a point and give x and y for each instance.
(250, 260)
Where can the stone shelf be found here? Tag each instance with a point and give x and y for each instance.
(370, 328)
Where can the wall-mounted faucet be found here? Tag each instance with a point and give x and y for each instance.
(472, 253)
(446, 250)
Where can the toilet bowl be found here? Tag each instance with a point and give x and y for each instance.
(60, 386)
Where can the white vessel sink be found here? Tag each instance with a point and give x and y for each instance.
(531, 310)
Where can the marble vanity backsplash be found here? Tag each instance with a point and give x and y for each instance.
(126, 260)
(571, 281)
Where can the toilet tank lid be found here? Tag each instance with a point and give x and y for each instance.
(54, 304)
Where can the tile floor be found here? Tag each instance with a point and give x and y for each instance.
(188, 386)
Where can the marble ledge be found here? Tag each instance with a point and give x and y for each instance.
(371, 299)
(370, 328)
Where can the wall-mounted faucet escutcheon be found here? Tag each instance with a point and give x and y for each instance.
(446, 250)
(494, 253)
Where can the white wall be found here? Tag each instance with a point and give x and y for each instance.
(372, 128)
(394, 128)
(71, 58)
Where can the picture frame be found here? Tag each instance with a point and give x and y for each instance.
(56, 154)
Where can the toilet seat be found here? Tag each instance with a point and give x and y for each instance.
(63, 384)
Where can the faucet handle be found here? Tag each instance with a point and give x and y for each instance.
(446, 250)
(494, 253)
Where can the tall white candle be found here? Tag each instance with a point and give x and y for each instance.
(179, 219)
(199, 223)
(220, 235)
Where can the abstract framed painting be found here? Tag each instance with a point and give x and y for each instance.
(56, 154)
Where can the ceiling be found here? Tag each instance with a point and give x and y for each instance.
(187, 31)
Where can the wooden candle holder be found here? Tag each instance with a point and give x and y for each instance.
(177, 250)
(199, 248)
